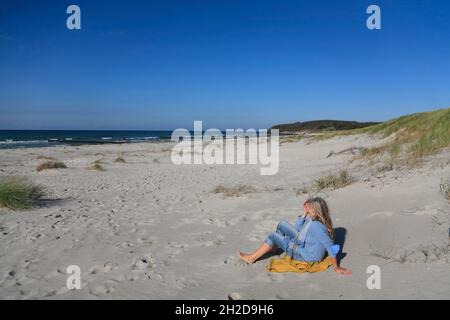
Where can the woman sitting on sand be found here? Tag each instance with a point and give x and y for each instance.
(307, 241)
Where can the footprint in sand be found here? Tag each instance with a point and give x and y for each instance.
(103, 290)
(143, 263)
(149, 266)
(144, 241)
(126, 244)
(229, 260)
(58, 292)
(133, 277)
(107, 267)
(219, 240)
(176, 248)
(283, 296)
(275, 277)
(154, 276)
(183, 283)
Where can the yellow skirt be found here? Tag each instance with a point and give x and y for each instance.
(287, 264)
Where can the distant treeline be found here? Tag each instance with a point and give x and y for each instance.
(322, 125)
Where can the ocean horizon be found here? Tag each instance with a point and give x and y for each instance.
(43, 138)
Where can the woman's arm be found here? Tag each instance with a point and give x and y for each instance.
(299, 223)
(323, 237)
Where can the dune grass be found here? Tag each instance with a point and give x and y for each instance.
(234, 191)
(301, 190)
(96, 166)
(50, 165)
(333, 181)
(119, 159)
(411, 137)
(19, 193)
(291, 138)
(418, 135)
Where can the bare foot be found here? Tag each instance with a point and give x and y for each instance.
(246, 257)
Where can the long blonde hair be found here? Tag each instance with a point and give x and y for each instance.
(323, 213)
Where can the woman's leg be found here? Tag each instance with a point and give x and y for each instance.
(287, 229)
(273, 241)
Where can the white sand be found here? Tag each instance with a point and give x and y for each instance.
(149, 229)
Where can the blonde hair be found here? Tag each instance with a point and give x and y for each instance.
(320, 207)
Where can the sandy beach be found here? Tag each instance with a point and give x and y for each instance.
(148, 229)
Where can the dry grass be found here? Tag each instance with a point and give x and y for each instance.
(19, 193)
(50, 165)
(426, 254)
(388, 166)
(234, 191)
(291, 138)
(301, 190)
(96, 166)
(333, 181)
(389, 255)
(119, 159)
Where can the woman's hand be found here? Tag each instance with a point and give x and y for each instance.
(305, 210)
(343, 271)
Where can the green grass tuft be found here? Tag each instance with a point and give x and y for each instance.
(333, 181)
(51, 165)
(97, 166)
(418, 135)
(19, 193)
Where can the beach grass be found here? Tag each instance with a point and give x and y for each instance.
(119, 159)
(234, 191)
(333, 181)
(301, 190)
(418, 135)
(96, 166)
(19, 193)
(292, 138)
(50, 165)
(409, 138)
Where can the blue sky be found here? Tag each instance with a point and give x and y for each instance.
(164, 64)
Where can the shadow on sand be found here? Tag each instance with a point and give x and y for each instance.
(339, 238)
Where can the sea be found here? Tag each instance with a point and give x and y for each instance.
(45, 138)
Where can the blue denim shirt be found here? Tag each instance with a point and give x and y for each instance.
(317, 242)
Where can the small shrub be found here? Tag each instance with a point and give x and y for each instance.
(385, 167)
(370, 152)
(51, 165)
(234, 191)
(301, 190)
(120, 160)
(19, 193)
(333, 181)
(97, 166)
